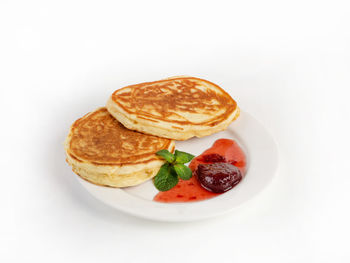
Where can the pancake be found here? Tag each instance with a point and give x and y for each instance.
(102, 151)
(176, 108)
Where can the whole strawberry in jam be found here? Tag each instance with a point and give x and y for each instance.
(218, 177)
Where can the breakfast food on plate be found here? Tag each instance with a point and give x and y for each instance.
(131, 140)
(177, 108)
(104, 152)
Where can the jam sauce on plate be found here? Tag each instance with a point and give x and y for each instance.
(222, 151)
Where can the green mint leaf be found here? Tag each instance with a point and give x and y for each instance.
(165, 178)
(168, 156)
(183, 171)
(182, 157)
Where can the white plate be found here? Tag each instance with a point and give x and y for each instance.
(262, 162)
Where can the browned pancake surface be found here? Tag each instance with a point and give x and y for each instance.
(163, 100)
(100, 139)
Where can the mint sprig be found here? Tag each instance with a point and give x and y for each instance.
(168, 156)
(182, 157)
(168, 175)
(183, 171)
(165, 178)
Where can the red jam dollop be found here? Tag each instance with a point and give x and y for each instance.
(222, 151)
(184, 191)
(218, 177)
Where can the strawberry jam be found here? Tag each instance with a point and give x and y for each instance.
(224, 152)
(185, 191)
(218, 177)
(228, 150)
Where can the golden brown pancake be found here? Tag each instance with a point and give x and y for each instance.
(104, 152)
(176, 108)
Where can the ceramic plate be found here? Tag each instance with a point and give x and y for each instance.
(262, 162)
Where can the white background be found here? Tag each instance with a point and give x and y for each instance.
(285, 62)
